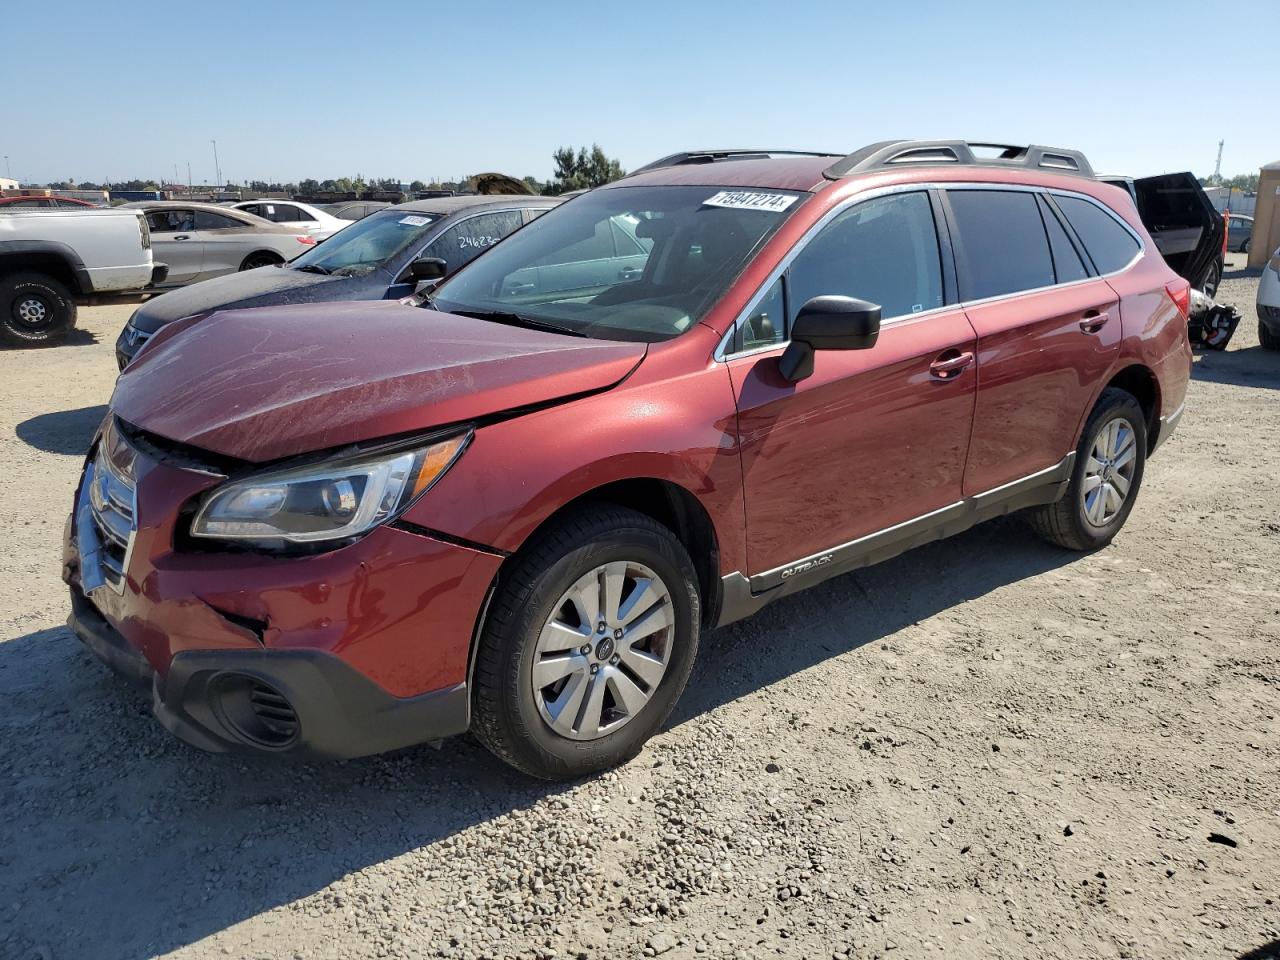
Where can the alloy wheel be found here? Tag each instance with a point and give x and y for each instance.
(603, 651)
(1108, 473)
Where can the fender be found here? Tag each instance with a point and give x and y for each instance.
(55, 248)
(518, 472)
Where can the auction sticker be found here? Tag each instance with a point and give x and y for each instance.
(415, 221)
(750, 200)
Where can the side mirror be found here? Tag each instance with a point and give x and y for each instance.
(828, 323)
(427, 268)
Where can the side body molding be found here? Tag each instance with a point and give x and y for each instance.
(743, 595)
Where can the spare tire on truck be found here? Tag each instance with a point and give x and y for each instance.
(35, 310)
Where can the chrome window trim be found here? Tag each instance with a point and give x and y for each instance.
(723, 354)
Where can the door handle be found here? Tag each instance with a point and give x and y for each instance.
(630, 273)
(182, 237)
(1094, 321)
(950, 364)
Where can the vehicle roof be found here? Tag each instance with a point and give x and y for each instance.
(443, 206)
(185, 205)
(44, 196)
(808, 174)
(71, 211)
(780, 173)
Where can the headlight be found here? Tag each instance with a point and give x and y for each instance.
(327, 501)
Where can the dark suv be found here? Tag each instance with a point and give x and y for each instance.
(373, 259)
(339, 529)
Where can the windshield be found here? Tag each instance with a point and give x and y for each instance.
(367, 244)
(626, 263)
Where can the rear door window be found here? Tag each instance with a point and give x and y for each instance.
(205, 220)
(1110, 246)
(1001, 245)
(883, 250)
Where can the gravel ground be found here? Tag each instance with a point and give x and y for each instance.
(985, 748)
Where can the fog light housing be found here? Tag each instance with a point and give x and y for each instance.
(254, 711)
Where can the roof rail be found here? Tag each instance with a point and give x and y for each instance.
(715, 156)
(893, 153)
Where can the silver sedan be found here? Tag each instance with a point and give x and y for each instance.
(203, 240)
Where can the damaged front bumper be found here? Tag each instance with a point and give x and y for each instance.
(306, 703)
(354, 651)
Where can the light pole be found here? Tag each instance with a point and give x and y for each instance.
(217, 170)
(7, 172)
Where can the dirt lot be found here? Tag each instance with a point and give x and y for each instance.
(985, 748)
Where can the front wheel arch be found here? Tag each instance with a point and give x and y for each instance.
(668, 503)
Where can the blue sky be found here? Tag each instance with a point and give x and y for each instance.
(416, 91)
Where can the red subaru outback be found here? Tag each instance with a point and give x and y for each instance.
(512, 505)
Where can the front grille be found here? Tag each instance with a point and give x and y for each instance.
(106, 518)
(135, 337)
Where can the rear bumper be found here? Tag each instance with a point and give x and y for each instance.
(317, 707)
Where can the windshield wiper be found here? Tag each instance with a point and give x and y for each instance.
(519, 320)
(314, 268)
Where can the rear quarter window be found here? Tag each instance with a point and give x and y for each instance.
(1110, 246)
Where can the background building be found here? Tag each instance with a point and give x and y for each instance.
(1266, 217)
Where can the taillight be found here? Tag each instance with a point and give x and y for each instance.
(306, 241)
(1226, 229)
(1180, 293)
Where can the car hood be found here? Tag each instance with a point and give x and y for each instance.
(262, 384)
(262, 287)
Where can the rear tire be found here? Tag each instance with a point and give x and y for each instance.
(35, 310)
(256, 260)
(602, 563)
(1269, 340)
(1109, 465)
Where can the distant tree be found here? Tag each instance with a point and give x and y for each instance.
(416, 186)
(260, 186)
(582, 170)
(1248, 182)
(309, 186)
(535, 184)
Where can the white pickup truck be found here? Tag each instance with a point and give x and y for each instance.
(50, 259)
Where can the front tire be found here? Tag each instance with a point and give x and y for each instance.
(1105, 478)
(35, 310)
(587, 645)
